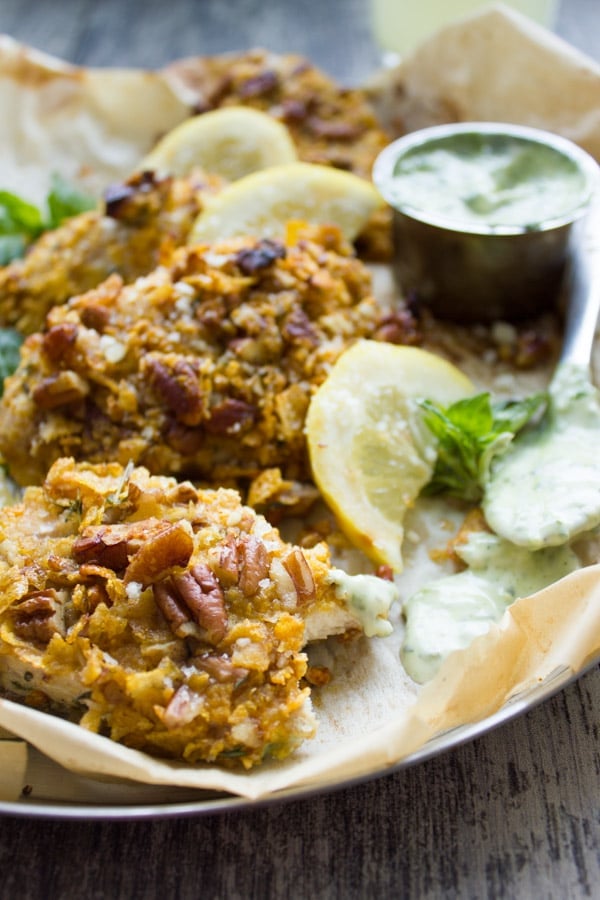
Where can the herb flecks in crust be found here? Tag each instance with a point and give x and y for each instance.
(168, 618)
(204, 368)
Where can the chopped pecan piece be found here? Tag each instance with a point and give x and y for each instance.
(228, 563)
(203, 595)
(254, 564)
(298, 326)
(60, 389)
(58, 340)
(178, 387)
(103, 546)
(144, 549)
(172, 608)
(196, 597)
(36, 617)
(220, 668)
(121, 200)
(170, 546)
(230, 416)
(264, 254)
(339, 130)
(299, 571)
(260, 84)
(400, 327)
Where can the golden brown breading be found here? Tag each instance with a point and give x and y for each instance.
(330, 125)
(141, 221)
(169, 618)
(205, 367)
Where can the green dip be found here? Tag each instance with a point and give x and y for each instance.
(484, 181)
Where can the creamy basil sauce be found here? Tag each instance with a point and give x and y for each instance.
(368, 599)
(448, 613)
(486, 181)
(546, 488)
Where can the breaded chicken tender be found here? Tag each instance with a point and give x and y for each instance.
(204, 368)
(169, 618)
(330, 124)
(140, 223)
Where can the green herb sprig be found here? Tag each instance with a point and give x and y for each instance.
(470, 433)
(21, 222)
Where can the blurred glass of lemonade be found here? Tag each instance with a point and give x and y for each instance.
(400, 25)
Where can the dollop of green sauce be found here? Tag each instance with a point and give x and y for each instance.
(483, 182)
(368, 598)
(448, 613)
(546, 489)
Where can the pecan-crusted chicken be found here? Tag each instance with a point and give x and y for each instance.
(169, 618)
(204, 368)
(141, 222)
(330, 124)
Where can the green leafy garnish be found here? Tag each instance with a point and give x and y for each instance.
(65, 201)
(10, 343)
(470, 433)
(21, 222)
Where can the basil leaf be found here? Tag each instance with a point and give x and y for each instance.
(21, 222)
(10, 345)
(64, 201)
(17, 216)
(470, 433)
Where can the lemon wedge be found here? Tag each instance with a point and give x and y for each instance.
(262, 203)
(370, 452)
(230, 142)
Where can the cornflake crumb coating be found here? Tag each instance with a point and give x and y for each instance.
(205, 367)
(169, 618)
(138, 224)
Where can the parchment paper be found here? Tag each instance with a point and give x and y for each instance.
(493, 66)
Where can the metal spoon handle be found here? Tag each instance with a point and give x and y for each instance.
(584, 291)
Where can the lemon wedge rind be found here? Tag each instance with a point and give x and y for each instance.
(262, 203)
(369, 450)
(231, 142)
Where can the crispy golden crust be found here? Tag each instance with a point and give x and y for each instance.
(329, 124)
(205, 367)
(169, 618)
(140, 223)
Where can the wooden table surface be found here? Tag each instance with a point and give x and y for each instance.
(514, 814)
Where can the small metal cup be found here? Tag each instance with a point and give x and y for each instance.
(482, 273)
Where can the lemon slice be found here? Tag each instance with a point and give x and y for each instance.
(231, 142)
(370, 452)
(262, 203)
